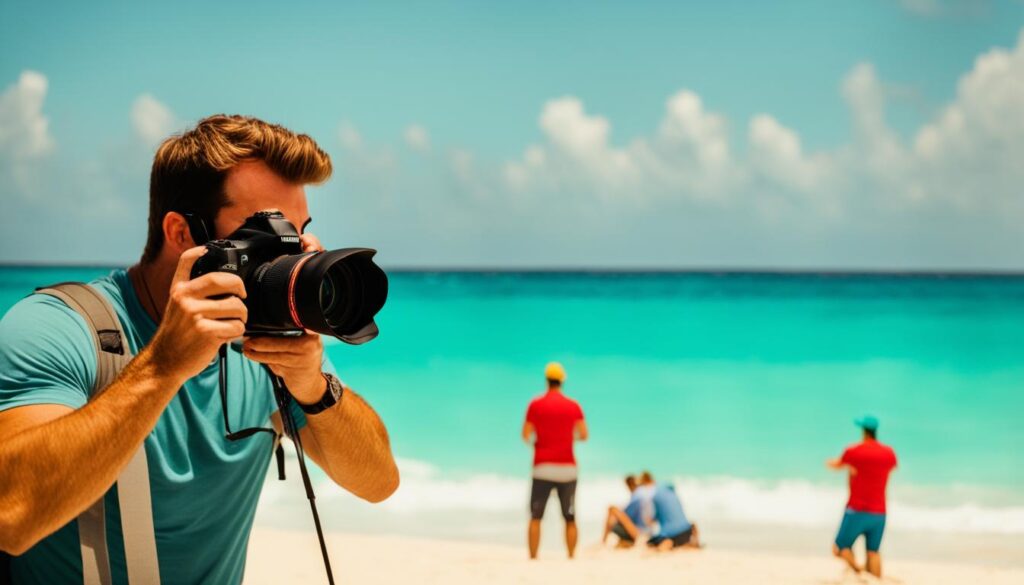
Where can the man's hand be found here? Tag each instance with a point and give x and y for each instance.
(310, 243)
(46, 456)
(838, 465)
(200, 316)
(298, 360)
(528, 433)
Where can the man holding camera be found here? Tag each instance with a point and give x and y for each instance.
(62, 446)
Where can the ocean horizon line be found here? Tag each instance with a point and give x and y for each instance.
(626, 270)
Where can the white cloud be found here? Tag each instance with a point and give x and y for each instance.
(776, 153)
(416, 138)
(689, 155)
(365, 169)
(24, 130)
(576, 156)
(968, 156)
(25, 140)
(351, 139)
(702, 134)
(153, 121)
(973, 151)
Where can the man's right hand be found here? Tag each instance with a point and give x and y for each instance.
(201, 315)
(45, 457)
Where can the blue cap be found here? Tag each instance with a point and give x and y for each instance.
(867, 422)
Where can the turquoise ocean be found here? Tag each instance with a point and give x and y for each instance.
(736, 386)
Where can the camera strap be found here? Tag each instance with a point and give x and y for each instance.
(283, 398)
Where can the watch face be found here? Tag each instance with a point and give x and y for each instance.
(335, 385)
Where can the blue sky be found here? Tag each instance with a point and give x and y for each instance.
(861, 134)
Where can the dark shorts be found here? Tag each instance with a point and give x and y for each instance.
(620, 531)
(541, 491)
(681, 539)
(872, 526)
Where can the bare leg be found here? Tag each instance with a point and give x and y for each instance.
(665, 545)
(622, 518)
(874, 564)
(694, 538)
(534, 538)
(570, 538)
(608, 523)
(847, 555)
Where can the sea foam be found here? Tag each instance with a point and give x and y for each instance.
(427, 490)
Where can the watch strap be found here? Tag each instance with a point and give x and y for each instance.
(332, 395)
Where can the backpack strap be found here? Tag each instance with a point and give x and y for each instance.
(112, 355)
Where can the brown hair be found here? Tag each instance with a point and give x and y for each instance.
(189, 168)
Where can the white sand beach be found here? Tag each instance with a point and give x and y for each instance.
(294, 557)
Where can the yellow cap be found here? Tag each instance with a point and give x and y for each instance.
(554, 371)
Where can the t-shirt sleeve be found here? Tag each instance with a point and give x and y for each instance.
(47, 355)
(848, 457)
(579, 412)
(531, 414)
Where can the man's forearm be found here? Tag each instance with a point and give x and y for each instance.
(54, 471)
(352, 446)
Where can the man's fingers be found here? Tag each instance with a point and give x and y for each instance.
(311, 243)
(271, 358)
(302, 344)
(216, 283)
(225, 330)
(185, 262)
(229, 308)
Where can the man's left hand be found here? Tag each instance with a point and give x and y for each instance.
(297, 360)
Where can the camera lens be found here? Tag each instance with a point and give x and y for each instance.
(328, 298)
(335, 293)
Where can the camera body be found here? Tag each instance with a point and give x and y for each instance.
(335, 293)
(262, 238)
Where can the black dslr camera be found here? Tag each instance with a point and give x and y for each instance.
(335, 293)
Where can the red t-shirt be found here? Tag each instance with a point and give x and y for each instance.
(873, 462)
(553, 417)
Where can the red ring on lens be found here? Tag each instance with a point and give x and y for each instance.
(291, 289)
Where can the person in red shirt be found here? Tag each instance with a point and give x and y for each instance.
(869, 464)
(553, 422)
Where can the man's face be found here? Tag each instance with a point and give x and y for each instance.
(250, 187)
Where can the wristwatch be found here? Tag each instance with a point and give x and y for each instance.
(331, 396)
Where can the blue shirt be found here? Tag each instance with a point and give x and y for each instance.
(204, 488)
(668, 511)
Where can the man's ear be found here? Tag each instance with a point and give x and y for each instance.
(176, 232)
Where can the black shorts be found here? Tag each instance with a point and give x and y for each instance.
(541, 491)
(681, 539)
(619, 530)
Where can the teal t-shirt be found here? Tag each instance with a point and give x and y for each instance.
(204, 487)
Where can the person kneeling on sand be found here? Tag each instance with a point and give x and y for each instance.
(628, 523)
(674, 529)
